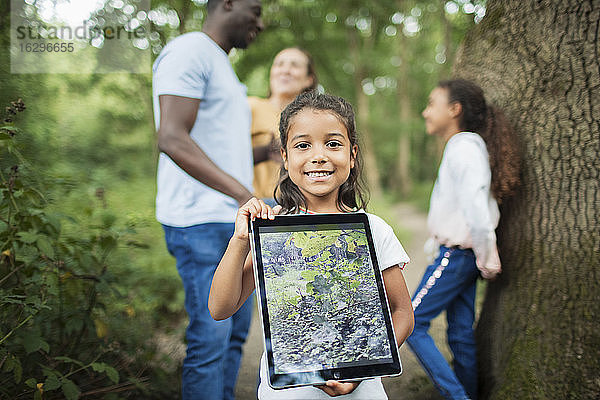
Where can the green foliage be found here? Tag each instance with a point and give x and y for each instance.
(326, 298)
(60, 301)
(334, 267)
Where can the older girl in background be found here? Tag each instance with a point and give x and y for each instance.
(479, 168)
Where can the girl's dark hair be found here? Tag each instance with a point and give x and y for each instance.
(491, 124)
(353, 193)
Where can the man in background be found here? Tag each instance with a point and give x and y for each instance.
(204, 173)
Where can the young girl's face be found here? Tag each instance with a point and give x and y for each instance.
(440, 115)
(318, 156)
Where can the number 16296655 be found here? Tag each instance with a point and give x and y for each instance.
(47, 47)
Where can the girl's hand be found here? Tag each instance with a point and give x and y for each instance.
(254, 208)
(335, 388)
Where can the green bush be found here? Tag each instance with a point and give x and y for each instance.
(67, 326)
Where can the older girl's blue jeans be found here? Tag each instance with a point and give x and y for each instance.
(214, 348)
(448, 284)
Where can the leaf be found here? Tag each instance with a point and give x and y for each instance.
(9, 364)
(54, 221)
(312, 245)
(18, 371)
(28, 237)
(309, 275)
(351, 245)
(8, 128)
(45, 247)
(108, 219)
(70, 390)
(3, 135)
(33, 342)
(51, 382)
(112, 374)
(98, 367)
(31, 382)
(321, 285)
(101, 328)
(68, 360)
(108, 242)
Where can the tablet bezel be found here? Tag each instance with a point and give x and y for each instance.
(281, 381)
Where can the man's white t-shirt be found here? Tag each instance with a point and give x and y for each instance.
(193, 65)
(389, 252)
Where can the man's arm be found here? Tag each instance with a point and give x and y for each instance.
(261, 153)
(177, 117)
(268, 152)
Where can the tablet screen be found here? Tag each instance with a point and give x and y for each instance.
(323, 304)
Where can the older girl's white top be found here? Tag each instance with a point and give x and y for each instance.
(462, 211)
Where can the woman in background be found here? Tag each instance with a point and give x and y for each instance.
(292, 73)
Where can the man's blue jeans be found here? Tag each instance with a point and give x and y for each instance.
(448, 284)
(214, 348)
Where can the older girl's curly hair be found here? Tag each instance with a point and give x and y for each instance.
(491, 124)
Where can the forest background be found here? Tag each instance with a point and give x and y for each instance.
(85, 275)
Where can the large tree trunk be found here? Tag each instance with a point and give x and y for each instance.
(539, 336)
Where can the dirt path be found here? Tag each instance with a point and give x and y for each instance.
(413, 384)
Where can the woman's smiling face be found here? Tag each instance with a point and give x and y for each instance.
(318, 157)
(289, 74)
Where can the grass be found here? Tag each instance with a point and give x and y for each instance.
(383, 208)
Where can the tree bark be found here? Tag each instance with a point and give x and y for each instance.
(538, 335)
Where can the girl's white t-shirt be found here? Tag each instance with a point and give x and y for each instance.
(389, 253)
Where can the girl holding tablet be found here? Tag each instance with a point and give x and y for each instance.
(320, 174)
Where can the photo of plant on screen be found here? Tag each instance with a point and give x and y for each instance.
(323, 301)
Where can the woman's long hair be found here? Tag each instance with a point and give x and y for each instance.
(353, 193)
(491, 124)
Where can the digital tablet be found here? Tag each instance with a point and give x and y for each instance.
(322, 301)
